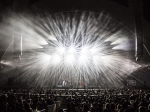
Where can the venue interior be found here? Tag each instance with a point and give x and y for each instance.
(80, 50)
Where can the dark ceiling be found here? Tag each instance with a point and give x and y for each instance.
(78, 4)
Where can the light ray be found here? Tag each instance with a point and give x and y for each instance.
(74, 45)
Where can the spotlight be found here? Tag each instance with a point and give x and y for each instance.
(70, 58)
(56, 58)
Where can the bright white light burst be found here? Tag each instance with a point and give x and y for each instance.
(56, 59)
(70, 58)
(71, 50)
(77, 45)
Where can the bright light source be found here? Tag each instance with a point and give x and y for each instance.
(5, 62)
(70, 58)
(61, 50)
(71, 50)
(56, 58)
(45, 60)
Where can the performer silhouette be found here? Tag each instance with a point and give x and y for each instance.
(65, 82)
(81, 83)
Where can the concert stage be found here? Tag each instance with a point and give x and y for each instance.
(57, 87)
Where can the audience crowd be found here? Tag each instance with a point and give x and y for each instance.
(77, 100)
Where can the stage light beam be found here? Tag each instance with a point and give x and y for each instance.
(85, 41)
